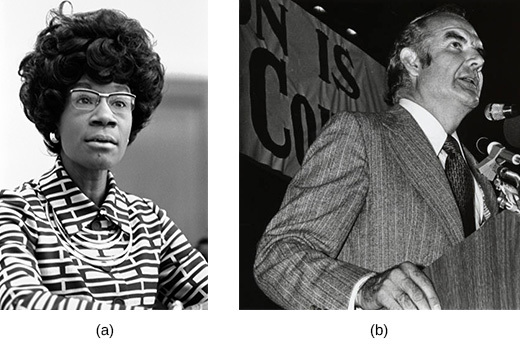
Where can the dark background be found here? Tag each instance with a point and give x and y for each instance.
(377, 24)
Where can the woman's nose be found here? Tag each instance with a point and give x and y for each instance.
(103, 115)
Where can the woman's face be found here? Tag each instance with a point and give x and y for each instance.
(95, 139)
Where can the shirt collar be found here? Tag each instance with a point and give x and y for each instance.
(74, 209)
(428, 124)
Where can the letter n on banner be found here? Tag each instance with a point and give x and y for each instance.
(296, 73)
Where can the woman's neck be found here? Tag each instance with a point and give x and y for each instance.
(93, 183)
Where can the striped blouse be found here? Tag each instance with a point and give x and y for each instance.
(58, 250)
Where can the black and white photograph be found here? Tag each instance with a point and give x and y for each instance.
(104, 170)
(377, 171)
(378, 165)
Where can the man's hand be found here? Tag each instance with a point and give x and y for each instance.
(402, 287)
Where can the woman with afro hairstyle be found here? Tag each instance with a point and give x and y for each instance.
(72, 239)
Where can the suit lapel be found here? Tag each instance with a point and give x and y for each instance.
(423, 169)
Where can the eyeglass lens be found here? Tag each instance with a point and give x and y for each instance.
(88, 100)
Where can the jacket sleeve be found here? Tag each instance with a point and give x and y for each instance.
(297, 262)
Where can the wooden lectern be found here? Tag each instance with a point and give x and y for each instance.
(482, 272)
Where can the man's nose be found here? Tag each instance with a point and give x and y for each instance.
(476, 59)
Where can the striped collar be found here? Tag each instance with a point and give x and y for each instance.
(74, 209)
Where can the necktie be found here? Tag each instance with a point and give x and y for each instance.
(461, 182)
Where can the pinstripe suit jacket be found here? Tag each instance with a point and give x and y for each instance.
(371, 193)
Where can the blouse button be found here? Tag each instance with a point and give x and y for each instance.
(96, 225)
(119, 301)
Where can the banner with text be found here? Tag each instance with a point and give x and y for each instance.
(295, 73)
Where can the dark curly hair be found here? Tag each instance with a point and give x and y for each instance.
(105, 45)
(413, 36)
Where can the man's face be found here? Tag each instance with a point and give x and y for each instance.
(455, 74)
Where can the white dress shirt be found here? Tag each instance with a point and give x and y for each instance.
(437, 136)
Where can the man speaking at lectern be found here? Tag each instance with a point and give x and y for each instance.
(380, 196)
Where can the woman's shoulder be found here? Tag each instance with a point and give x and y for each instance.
(21, 196)
(135, 200)
(143, 204)
(20, 205)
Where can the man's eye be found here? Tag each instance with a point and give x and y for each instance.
(456, 44)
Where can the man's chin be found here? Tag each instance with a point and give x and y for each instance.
(474, 103)
(470, 100)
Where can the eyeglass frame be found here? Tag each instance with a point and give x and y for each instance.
(103, 95)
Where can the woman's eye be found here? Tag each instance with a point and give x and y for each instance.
(119, 104)
(85, 100)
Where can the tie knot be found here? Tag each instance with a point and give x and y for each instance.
(451, 147)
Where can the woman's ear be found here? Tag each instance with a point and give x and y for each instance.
(410, 60)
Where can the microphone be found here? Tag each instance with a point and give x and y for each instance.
(500, 111)
(509, 176)
(487, 147)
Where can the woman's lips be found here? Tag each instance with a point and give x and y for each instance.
(101, 138)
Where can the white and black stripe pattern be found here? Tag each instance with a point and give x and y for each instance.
(37, 272)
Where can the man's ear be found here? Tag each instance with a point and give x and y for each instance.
(411, 61)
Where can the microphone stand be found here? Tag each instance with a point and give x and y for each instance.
(505, 180)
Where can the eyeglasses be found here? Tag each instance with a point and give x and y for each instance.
(120, 102)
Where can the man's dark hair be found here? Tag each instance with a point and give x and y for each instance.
(414, 37)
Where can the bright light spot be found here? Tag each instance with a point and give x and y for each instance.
(351, 32)
(319, 9)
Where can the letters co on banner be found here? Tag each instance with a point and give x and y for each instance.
(295, 73)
